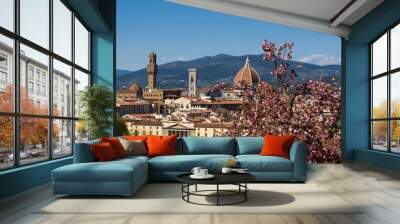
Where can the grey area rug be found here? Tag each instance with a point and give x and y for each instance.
(166, 198)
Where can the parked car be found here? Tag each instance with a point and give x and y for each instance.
(22, 155)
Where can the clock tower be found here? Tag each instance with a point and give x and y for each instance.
(152, 71)
(151, 94)
(192, 82)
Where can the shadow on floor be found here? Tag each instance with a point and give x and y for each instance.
(256, 198)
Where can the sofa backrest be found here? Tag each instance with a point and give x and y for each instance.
(249, 145)
(204, 145)
(190, 146)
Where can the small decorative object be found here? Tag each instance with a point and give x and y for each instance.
(200, 173)
(203, 172)
(239, 170)
(231, 163)
(208, 176)
(196, 171)
(226, 170)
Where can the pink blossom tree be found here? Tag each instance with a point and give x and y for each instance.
(280, 57)
(310, 111)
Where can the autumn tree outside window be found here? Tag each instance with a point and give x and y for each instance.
(45, 63)
(385, 92)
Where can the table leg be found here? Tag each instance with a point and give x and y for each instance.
(182, 190)
(188, 190)
(217, 194)
(245, 193)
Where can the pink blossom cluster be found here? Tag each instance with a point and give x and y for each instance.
(272, 53)
(280, 56)
(311, 111)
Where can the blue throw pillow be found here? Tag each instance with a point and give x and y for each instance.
(204, 145)
(249, 145)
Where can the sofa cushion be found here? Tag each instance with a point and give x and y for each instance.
(257, 163)
(161, 145)
(116, 145)
(134, 147)
(133, 157)
(112, 171)
(103, 152)
(275, 145)
(204, 145)
(248, 145)
(135, 138)
(185, 163)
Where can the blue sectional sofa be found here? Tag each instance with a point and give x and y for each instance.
(125, 176)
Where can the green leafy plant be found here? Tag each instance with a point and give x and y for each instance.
(96, 102)
(120, 125)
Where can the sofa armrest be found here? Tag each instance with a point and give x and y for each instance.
(298, 155)
(83, 152)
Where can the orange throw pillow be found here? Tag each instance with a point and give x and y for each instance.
(116, 145)
(161, 145)
(135, 138)
(275, 145)
(103, 152)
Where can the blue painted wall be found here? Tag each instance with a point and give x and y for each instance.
(103, 64)
(356, 99)
(380, 159)
(356, 94)
(24, 178)
(99, 16)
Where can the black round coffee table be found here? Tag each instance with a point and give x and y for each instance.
(238, 179)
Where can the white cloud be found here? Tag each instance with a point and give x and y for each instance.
(321, 59)
(169, 59)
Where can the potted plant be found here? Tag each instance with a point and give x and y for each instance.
(96, 103)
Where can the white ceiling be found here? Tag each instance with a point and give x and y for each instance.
(317, 15)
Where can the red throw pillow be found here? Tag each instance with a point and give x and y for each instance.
(161, 145)
(135, 138)
(116, 145)
(277, 145)
(103, 152)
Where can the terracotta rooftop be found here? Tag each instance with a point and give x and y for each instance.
(217, 102)
(139, 116)
(200, 111)
(120, 102)
(212, 125)
(147, 123)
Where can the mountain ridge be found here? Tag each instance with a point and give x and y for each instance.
(220, 68)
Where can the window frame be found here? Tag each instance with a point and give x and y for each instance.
(16, 114)
(388, 74)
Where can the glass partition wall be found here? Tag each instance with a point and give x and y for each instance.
(385, 91)
(44, 64)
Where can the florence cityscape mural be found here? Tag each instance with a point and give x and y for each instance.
(238, 86)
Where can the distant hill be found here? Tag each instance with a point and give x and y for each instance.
(219, 68)
(121, 72)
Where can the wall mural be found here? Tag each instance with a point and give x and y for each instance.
(224, 83)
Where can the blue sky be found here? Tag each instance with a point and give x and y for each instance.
(177, 32)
